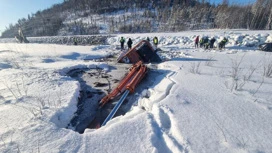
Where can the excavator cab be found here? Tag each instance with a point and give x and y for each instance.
(143, 51)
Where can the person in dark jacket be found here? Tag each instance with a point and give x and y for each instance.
(212, 42)
(206, 43)
(129, 43)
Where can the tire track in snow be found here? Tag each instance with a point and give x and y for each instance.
(164, 125)
(157, 138)
(171, 85)
(168, 88)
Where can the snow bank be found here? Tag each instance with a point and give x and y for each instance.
(66, 40)
(239, 38)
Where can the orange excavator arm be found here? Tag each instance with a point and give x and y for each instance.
(130, 87)
(137, 72)
(137, 78)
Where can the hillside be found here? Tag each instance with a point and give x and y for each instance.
(125, 16)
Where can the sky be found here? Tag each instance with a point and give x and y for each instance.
(13, 10)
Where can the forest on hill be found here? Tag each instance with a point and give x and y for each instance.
(88, 17)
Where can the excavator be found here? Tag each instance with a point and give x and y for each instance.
(141, 53)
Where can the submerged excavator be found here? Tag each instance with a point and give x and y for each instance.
(141, 53)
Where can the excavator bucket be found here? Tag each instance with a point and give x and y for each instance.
(143, 51)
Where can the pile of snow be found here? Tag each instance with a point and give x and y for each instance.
(200, 101)
(236, 38)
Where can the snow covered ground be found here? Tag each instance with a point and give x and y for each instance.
(203, 101)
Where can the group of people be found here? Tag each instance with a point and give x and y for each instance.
(207, 43)
(129, 42)
(204, 42)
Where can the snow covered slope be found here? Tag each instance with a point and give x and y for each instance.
(200, 101)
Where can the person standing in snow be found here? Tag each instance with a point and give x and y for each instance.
(148, 39)
(222, 44)
(206, 43)
(212, 42)
(129, 43)
(201, 42)
(75, 41)
(155, 41)
(196, 41)
(122, 41)
(225, 40)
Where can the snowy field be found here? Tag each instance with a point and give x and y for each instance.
(205, 101)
